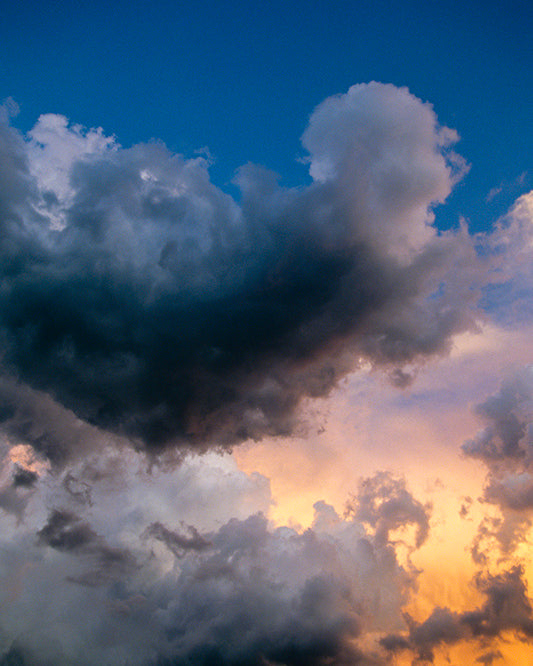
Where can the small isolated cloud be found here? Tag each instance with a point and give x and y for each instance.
(385, 504)
(508, 186)
(494, 193)
(507, 295)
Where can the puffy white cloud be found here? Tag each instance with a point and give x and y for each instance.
(389, 160)
(54, 147)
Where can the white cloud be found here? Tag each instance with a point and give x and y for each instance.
(386, 153)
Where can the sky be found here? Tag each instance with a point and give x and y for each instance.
(266, 381)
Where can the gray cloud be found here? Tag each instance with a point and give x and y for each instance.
(67, 532)
(507, 608)
(505, 447)
(178, 543)
(19, 484)
(24, 478)
(489, 657)
(385, 504)
(244, 593)
(143, 300)
(507, 295)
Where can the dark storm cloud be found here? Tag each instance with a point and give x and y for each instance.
(507, 608)
(34, 417)
(13, 657)
(24, 478)
(145, 301)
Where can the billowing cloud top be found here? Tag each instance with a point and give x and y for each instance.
(140, 298)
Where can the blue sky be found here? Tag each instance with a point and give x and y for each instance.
(243, 78)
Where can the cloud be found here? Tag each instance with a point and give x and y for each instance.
(489, 657)
(67, 532)
(143, 309)
(389, 160)
(75, 572)
(507, 295)
(143, 300)
(178, 543)
(245, 592)
(505, 446)
(17, 485)
(506, 608)
(385, 504)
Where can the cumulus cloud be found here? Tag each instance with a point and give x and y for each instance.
(145, 301)
(143, 309)
(166, 592)
(389, 160)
